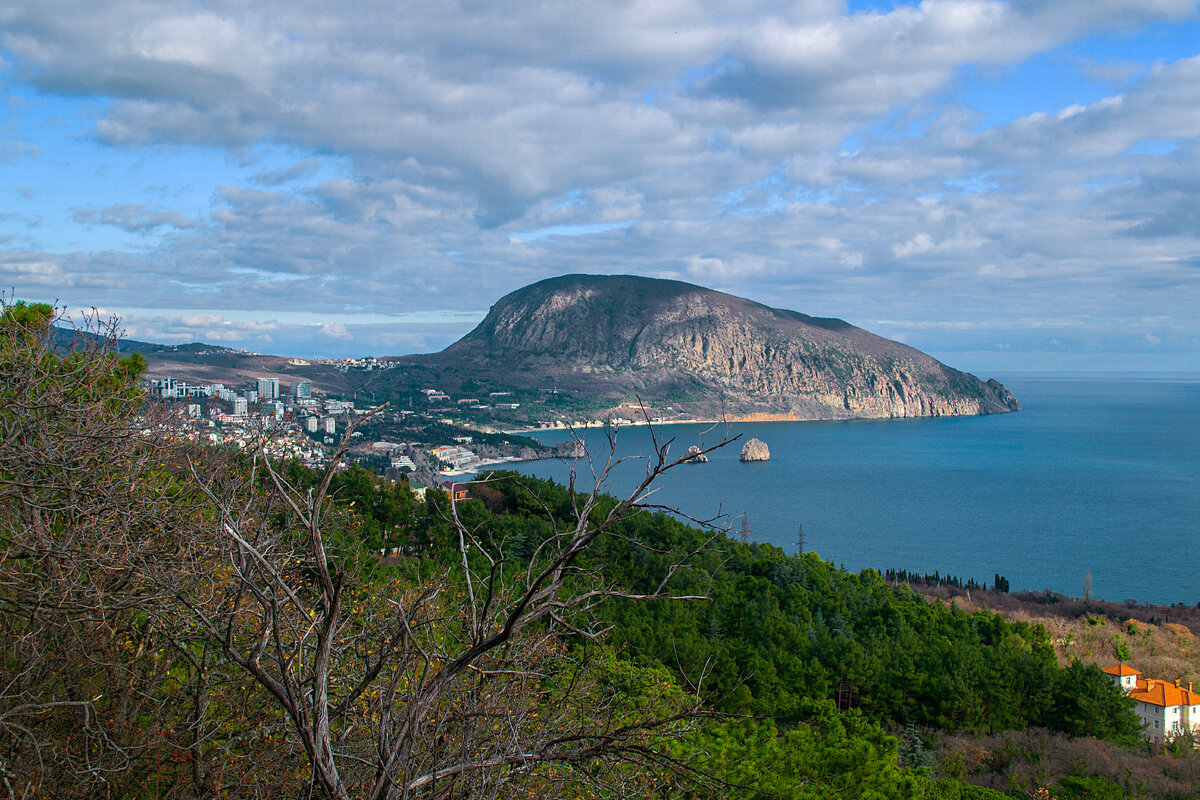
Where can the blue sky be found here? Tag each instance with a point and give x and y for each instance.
(1009, 186)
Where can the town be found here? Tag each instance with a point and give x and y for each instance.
(424, 447)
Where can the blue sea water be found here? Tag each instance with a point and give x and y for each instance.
(1097, 473)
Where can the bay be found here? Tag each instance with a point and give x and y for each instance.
(1097, 473)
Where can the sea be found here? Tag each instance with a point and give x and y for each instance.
(1097, 475)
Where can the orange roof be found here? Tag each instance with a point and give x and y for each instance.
(1164, 693)
(1121, 670)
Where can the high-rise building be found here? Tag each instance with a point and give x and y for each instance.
(272, 409)
(330, 425)
(240, 406)
(268, 388)
(310, 424)
(302, 389)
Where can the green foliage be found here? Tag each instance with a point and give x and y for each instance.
(828, 754)
(1087, 703)
(1076, 788)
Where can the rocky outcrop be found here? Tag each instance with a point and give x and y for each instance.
(694, 456)
(571, 448)
(755, 450)
(706, 352)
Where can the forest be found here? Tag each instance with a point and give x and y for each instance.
(182, 621)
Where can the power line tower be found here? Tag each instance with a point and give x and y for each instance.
(746, 531)
(800, 541)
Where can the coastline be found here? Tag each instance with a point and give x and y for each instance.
(1088, 460)
(625, 422)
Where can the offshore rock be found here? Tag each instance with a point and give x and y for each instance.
(694, 456)
(755, 450)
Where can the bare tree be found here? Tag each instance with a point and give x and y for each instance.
(84, 500)
(443, 678)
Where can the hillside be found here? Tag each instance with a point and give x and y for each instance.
(617, 337)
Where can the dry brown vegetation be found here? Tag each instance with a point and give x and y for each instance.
(1019, 762)
(1161, 641)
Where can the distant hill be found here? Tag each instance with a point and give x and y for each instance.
(198, 362)
(615, 337)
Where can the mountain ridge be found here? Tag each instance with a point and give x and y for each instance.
(622, 335)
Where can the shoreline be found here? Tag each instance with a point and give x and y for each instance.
(746, 418)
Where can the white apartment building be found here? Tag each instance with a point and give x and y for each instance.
(1165, 708)
(268, 388)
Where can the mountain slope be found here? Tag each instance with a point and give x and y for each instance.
(620, 336)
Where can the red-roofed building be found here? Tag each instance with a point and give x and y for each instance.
(1165, 708)
(1123, 675)
(457, 491)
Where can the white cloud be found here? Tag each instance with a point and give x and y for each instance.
(135, 218)
(12, 150)
(697, 140)
(921, 243)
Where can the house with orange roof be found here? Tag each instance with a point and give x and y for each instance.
(1123, 675)
(1165, 708)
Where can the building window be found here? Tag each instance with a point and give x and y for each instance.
(1156, 724)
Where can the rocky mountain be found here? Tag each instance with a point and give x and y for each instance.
(617, 337)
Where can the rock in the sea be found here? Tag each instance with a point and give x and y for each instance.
(694, 456)
(755, 450)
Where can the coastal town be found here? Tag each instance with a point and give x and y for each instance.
(432, 445)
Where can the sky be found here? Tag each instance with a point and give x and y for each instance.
(1009, 186)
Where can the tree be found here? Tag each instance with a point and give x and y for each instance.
(1087, 703)
(448, 676)
(85, 500)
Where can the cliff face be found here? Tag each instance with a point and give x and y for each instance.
(623, 334)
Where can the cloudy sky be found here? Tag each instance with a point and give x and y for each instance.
(1007, 185)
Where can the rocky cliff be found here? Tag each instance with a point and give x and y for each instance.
(620, 336)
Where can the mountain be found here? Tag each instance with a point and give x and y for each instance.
(614, 338)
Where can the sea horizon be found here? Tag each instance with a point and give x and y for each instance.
(1094, 475)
